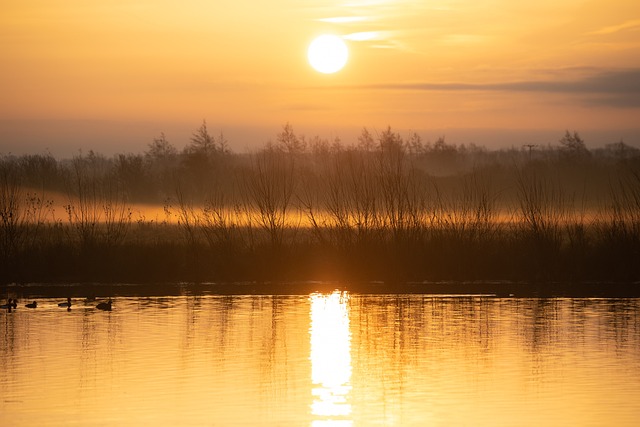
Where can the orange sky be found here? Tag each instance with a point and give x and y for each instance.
(86, 73)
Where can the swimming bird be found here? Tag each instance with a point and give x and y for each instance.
(106, 306)
(65, 304)
(11, 304)
(31, 305)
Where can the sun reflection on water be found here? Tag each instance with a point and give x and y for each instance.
(330, 359)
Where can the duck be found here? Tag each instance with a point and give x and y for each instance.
(10, 305)
(31, 305)
(65, 304)
(106, 306)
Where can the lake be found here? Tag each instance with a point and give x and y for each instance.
(322, 360)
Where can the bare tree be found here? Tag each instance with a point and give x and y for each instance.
(270, 186)
(542, 213)
(97, 211)
(220, 220)
(22, 213)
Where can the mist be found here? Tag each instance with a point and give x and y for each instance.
(384, 206)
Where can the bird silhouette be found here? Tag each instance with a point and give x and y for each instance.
(106, 306)
(66, 304)
(11, 304)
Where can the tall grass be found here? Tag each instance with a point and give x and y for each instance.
(618, 228)
(538, 226)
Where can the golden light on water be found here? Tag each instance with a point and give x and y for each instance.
(325, 360)
(331, 359)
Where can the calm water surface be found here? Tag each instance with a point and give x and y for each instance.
(322, 360)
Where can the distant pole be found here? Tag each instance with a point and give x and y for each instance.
(530, 146)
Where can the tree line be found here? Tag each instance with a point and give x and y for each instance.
(307, 208)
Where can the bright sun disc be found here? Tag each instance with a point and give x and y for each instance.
(328, 54)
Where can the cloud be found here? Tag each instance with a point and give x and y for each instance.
(617, 28)
(343, 19)
(362, 36)
(618, 88)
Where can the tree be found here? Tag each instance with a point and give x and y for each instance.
(572, 146)
(129, 170)
(620, 151)
(289, 142)
(202, 142)
(414, 144)
(160, 149)
(161, 159)
(204, 159)
(270, 185)
(391, 141)
(365, 140)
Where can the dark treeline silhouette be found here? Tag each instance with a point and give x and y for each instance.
(386, 207)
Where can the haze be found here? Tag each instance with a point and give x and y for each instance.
(112, 76)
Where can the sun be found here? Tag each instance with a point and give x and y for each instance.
(328, 53)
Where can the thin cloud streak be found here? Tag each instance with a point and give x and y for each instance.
(343, 19)
(365, 36)
(620, 88)
(635, 24)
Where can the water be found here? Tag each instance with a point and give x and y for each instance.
(322, 360)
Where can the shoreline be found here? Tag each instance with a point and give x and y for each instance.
(497, 289)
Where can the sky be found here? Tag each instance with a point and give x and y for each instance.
(111, 76)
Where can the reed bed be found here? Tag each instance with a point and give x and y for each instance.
(301, 209)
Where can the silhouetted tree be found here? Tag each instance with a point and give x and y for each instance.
(38, 169)
(620, 151)
(270, 186)
(572, 146)
(414, 145)
(289, 142)
(160, 149)
(130, 171)
(161, 161)
(204, 143)
(203, 160)
(365, 140)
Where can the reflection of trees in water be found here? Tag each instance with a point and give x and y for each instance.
(8, 339)
(401, 322)
(398, 338)
(555, 325)
(259, 338)
(192, 319)
(540, 327)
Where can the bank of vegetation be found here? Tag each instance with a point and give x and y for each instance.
(386, 207)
